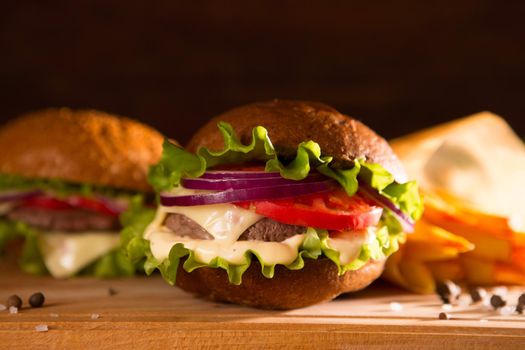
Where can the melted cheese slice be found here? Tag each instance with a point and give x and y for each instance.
(67, 253)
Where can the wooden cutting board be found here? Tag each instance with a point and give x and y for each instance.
(147, 313)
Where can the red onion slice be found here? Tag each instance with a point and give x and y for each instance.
(10, 196)
(240, 183)
(249, 194)
(225, 174)
(371, 193)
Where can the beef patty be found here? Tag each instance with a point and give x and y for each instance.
(64, 220)
(266, 229)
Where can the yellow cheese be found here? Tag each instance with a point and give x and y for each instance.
(67, 253)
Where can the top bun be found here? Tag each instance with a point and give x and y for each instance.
(291, 122)
(83, 146)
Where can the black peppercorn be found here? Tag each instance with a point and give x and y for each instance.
(521, 299)
(37, 300)
(443, 316)
(497, 301)
(477, 294)
(448, 291)
(14, 300)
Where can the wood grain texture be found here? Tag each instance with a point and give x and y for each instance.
(147, 313)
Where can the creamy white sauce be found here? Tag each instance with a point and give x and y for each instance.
(67, 253)
(284, 252)
(349, 244)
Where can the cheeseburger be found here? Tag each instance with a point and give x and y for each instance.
(278, 205)
(65, 177)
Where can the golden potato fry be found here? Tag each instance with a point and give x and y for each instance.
(447, 270)
(478, 272)
(417, 277)
(507, 274)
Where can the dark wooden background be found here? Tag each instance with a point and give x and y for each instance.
(398, 66)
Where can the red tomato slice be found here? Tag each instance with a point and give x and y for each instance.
(69, 203)
(46, 203)
(91, 204)
(333, 211)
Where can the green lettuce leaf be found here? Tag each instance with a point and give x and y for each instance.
(58, 187)
(110, 265)
(30, 259)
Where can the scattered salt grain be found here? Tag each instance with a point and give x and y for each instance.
(502, 291)
(464, 300)
(486, 305)
(13, 310)
(446, 307)
(396, 307)
(506, 310)
(2, 307)
(41, 328)
(53, 315)
(95, 316)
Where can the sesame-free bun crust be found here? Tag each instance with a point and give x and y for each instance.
(317, 282)
(291, 122)
(80, 146)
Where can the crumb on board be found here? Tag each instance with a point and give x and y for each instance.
(395, 306)
(41, 328)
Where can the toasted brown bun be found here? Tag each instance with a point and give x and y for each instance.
(83, 146)
(291, 122)
(318, 281)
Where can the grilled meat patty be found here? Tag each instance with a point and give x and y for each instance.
(266, 229)
(64, 220)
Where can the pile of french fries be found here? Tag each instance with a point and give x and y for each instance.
(454, 241)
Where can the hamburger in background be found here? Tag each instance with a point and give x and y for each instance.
(65, 177)
(279, 205)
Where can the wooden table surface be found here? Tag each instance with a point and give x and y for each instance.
(147, 313)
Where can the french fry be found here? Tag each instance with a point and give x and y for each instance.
(411, 267)
(508, 274)
(447, 270)
(478, 272)
(417, 277)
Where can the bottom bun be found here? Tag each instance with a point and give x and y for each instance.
(317, 282)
